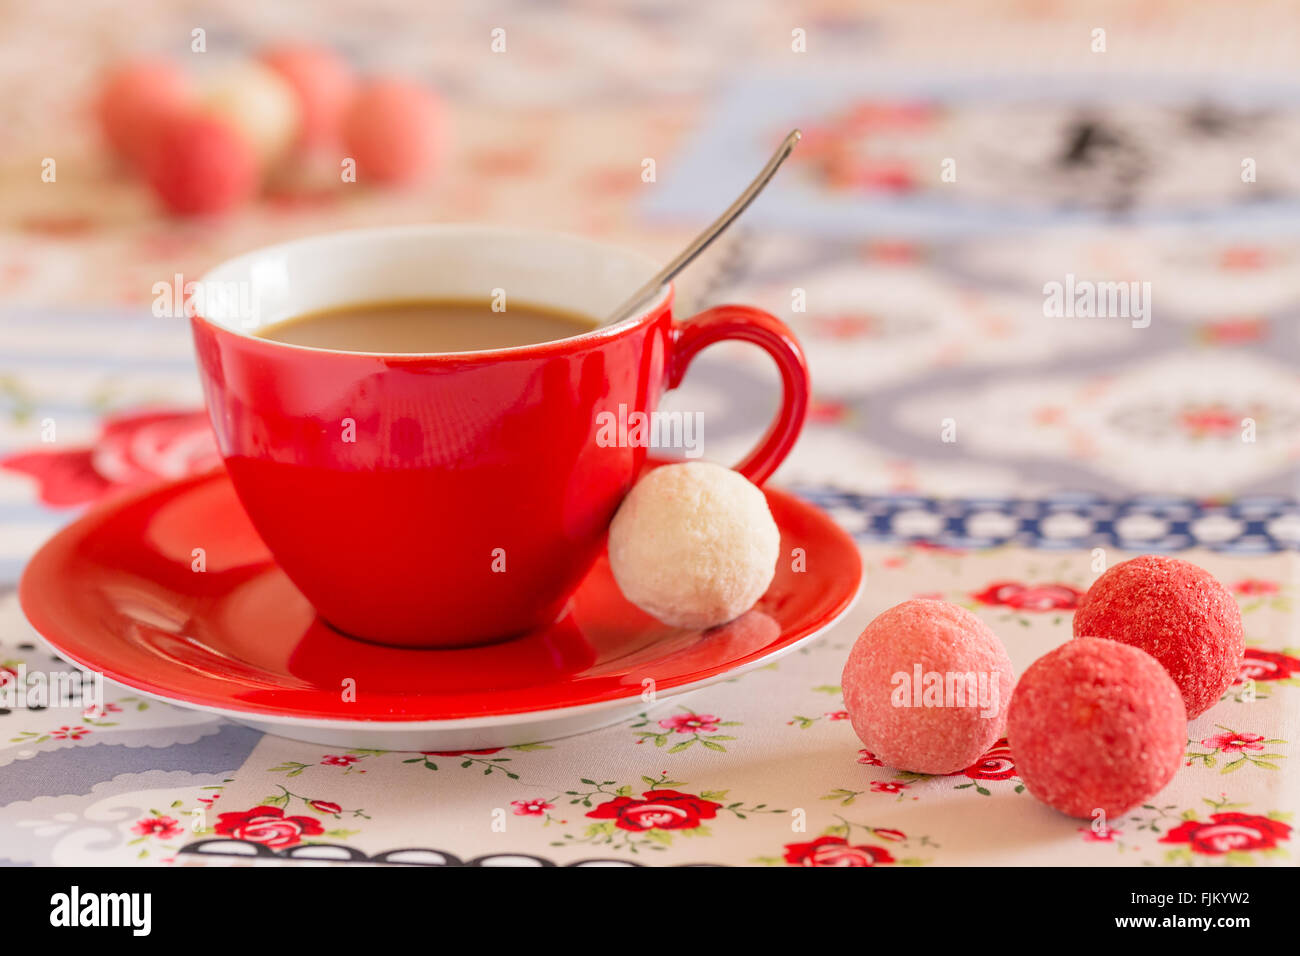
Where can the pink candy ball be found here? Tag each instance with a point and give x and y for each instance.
(134, 98)
(392, 130)
(927, 686)
(201, 165)
(1096, 725)
(323, 84)
(1176, 612)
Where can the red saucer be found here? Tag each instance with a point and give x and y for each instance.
(117, 592)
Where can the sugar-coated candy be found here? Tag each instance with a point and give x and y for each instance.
(393, 130)
(201, 165)
(1176, 612)
(926, 687)
(323, 84)
(1096, 727)
(133, 97)
(694, 544)
(254, 100)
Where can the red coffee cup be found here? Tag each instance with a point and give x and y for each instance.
(441, 500)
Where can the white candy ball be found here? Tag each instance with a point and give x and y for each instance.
(694, 545)
(258, 103)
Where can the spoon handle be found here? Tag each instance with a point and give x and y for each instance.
(715, 229)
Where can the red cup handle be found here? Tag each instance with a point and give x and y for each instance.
(770, 334)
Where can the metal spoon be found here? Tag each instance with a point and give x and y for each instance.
(705, 239)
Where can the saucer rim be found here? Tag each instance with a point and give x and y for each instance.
(27, 598)
(487, 720)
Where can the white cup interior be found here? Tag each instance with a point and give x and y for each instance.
(557, 271)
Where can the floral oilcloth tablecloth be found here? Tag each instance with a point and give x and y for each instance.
(1079, 441)
(761, 769)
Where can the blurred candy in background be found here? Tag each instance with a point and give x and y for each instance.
(210, 144)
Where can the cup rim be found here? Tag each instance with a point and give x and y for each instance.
(599, 334)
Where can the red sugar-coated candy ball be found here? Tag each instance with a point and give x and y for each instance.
(200, 165)
(1176, 612)
(1096, 725)
(392, 130)
(133, 97)
(323, 84)
(927, 686)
